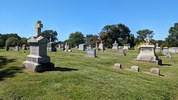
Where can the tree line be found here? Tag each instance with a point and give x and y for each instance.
(109, 33)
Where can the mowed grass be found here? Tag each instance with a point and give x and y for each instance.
(78, 77)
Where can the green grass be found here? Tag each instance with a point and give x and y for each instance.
(83, 78)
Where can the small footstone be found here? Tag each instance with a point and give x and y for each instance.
(118, 66)
(135, 68)
(155, 71)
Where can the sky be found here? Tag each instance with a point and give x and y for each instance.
(87, 16)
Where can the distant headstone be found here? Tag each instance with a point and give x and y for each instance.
(37, 60)
(16, 48)
(115, 46)
(122, 52)
(126, 46)
(81, 47)
(67, 48)
(91, 53)
(101, 46)
(24, 47)
(135, 68)
(165, 50)
(157, 49)
(169, 55)
(118, 65)
(155, 71)
(51, 46)
(147, 53)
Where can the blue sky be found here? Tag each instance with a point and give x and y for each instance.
(87, 16)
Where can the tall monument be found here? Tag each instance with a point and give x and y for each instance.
(147, 53)
(37, 60)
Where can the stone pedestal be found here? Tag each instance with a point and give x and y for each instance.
(101, 47)
(37, 60)
(147, 54)
(122, 52)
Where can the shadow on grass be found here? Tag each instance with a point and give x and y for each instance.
(64, 69)
(7, 71)
(165, 64)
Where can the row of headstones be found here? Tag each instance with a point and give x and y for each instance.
(16, 48)
(137, 69)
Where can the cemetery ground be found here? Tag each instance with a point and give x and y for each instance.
(79, 77)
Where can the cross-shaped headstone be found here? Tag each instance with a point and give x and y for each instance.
(38, 27)
(115, 41)
(147, 39)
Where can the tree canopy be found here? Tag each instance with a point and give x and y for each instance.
(75, 39)
(142, 34)
(50, 34)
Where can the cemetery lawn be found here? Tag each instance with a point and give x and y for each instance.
(78, 77)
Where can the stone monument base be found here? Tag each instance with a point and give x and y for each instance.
(157, 62)
(36, 67)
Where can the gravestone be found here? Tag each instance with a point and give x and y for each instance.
(157, 49)
(37, 60)
(173, 50)
(24, 47)
(126, 46)
(122, 52)
(117, 65)
(101, 46)
(81, 47)
(115, 46)
(16, 48)
(165, 50)
(135, 68)
(51, 46)
(147, 53)
(91, 52)
(155, 71)
(67, 48)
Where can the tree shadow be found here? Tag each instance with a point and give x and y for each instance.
(5, 70)
(64, 69)
(165, 64)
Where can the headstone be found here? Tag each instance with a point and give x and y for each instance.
(155, 71)
(89, 47)
(115, 46)
(118, 65)
(135, 68)
(147, 53)
(165, 50)
(126, 46)
(91, 53)
(101, 46)
(122, 52)
(157, 49)
(51, 46)
(169, 55)
(81, 47)
(173, 50)
(67, 48)
(16, 48)
(24, 47)
(37, 60)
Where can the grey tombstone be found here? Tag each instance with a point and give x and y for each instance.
(155, 71)
(67, 48)
(91, 53)
(115, 46)
(51, 46)
(24, 47)
(169, 55)
(81, 47)
(117, 65)
(147, 53)
(37, 60)
(16, 48)
(135, 68)
(165, 50)
(122, 52)
(101, 46)
(126, 46)
(157, 49)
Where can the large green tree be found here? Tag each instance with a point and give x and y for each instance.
(2, 43)
(50, 34)
(75, 39)
(91, 39)
(12, 41)
(142, 34)
(172, 39)
(118, 32)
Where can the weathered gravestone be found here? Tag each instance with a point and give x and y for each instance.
(101, 46)
(157, 49)
(122, 52)
(24, 47)
(117, 65)
(81, 47)
(51, 46)
(67, 48)
(115, 46)
(37, 60)
(135, 68)
(147, 53)
(16, 48)
(155, 71)
(91, 52)
(126, 46)
(165, 50)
